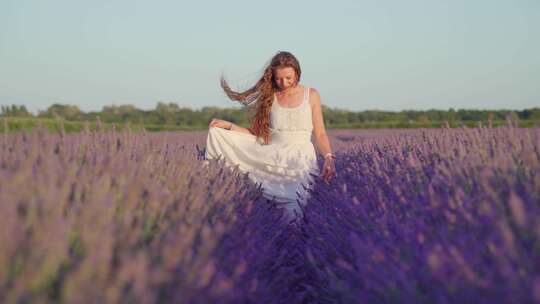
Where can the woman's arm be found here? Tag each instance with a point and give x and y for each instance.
(322, 142)
(220, 123)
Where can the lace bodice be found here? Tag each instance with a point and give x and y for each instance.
(291, 119)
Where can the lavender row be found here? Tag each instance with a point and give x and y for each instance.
(431, 216)
(121, 217)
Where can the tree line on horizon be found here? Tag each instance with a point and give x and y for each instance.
(173, 115)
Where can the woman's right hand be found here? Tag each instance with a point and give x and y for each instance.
(220, 123)
(329, 170)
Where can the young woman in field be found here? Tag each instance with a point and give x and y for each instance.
(276, 151)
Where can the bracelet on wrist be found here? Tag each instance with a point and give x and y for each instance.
(329, 155)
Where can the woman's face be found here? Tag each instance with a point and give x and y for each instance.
(285, 77)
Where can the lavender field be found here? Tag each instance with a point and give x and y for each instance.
(414, 216)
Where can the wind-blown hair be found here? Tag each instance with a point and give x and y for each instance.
(258, 99)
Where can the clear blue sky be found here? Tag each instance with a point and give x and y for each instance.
(387, 55)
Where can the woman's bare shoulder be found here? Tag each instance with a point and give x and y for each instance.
(314, 97)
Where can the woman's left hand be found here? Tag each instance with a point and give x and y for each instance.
(329, 170)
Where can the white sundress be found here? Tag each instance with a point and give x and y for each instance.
(282, 167)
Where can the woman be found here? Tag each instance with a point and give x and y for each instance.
(276, 151)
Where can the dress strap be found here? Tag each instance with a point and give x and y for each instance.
(306, 93)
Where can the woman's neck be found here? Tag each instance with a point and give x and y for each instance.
(289, 91)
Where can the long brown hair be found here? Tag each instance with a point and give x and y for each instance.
(258, 99)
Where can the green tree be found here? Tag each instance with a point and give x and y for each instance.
(15, 111)
(67, 112)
